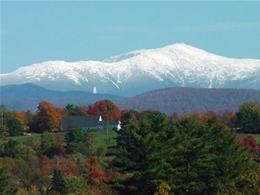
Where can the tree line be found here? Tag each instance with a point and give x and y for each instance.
(155, 154)
(48, 117)
(188, 155)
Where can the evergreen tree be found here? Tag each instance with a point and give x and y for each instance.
(191, 166)
(205, 158)
(192, 156)
(70, 109)
(58, 183)
(15, 126)
(140, 143)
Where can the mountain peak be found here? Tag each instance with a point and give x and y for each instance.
(139, 71)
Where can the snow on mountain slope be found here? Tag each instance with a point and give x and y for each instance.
(142, 70)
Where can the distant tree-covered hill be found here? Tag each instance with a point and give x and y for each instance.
(27, 97)
(190, 100)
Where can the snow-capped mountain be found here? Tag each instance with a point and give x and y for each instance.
(142, 70)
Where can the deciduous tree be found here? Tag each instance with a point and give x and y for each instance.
(108, 110)
(4, 182)
(47, 117)
(80, 141)
(248, 117)
(48, 143)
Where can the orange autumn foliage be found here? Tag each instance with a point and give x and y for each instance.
(108, 110)
(32, 188)
(95, 174)
(48, 117)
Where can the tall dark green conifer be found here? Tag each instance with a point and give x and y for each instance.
(58, 183)
(140, 145)
(191, 156)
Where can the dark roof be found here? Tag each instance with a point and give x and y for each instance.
(78, 122)
(109, 123)
(86, 122)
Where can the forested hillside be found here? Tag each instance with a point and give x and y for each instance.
(27, 97)
(152, 154)
(191, 100)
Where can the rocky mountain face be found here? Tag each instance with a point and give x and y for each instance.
(136, 72)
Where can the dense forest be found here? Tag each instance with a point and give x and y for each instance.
(153, 154)
(191, 100)
(167, 100)
(27, 96)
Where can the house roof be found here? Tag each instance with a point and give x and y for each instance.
(73, 122)
(86, 122)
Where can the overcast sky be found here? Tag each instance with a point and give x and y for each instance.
(38, 31)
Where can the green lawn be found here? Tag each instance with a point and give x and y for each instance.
(257, 138)
(100, 136)
(21, 138)
(103, 137)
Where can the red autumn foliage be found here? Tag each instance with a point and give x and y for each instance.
(108, 110)
(95, 174)
(81, 111)
(60, 113)
(228, 118)
(69, 174)
(59, 163)
(206, 117)
(59, 143)
(32, 188)
(96, 191)
(250, 142)
(93, 110)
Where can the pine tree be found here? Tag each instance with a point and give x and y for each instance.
(140, 145)
(58, 183)
(192, 156)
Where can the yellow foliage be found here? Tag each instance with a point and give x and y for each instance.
(251, 180)
(163, 189)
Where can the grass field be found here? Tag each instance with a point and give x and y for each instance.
(100, 137)
(103, 137)
(21, 138)
(257, 138)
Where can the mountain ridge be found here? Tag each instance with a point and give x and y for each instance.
(139, 71)
(181, 100)
(184, 100)
(28, 96)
